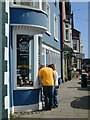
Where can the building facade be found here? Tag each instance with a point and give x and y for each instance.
(34, 39)
(76, 38)
(66, 39)
(4, 60)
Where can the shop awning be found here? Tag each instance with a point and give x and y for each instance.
(67, 48)
(32, 28)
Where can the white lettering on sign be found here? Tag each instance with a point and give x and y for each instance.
(24, 47)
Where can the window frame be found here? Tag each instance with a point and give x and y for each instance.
(67, 28)
(15, 33)
(75, 43)
(48, 21)
(55, 27)
(31, 7)
(55, 2)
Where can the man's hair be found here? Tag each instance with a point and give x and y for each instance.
(50, 65)
(53, 67)
(41, 66)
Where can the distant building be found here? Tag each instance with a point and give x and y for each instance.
(66, 39)
(76, 38)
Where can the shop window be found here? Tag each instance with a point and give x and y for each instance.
(75, 63)
(43, 56)
(24, 60)
(39, 50)
(54, 58)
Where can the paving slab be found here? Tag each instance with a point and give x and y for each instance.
(73, 103)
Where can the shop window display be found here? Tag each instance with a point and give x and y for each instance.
(24, 60)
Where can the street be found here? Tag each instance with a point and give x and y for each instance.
(73, 103)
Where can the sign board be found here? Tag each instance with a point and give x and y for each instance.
(80, 56)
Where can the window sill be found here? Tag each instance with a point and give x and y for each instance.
(24, 88)
(56, 39)
(67, 40)
(76, 51)
(48, 33)
(27, 88)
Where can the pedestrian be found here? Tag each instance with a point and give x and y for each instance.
(47, 76)
(56, 86)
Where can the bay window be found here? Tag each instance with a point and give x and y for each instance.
(38, 4)
(24, 60)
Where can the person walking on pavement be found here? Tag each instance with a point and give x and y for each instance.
(56, 86)
(47, 76)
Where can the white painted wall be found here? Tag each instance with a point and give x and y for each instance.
(6, 57)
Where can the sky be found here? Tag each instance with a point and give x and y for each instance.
(80, 13)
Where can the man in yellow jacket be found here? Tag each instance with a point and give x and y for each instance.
(47, 76)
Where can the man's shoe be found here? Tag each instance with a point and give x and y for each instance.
(55, 106)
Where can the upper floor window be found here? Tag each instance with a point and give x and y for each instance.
(48, 17)
(74, 45)
(38, 4)
(66, 32)
(55, 27)
(44, 5)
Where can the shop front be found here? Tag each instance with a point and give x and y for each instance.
(51, 56)
(25, 54)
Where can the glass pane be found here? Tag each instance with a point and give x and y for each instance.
(67, 38)
(24, 60)
(43, 56)
(44, 5)
(75, 46)
(29, 3)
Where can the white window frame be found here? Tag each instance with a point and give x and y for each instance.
(74, 43)
(55, 2)
(55, 27)
(30, 7)
(68, 31)
(15, 32)
(48, 19)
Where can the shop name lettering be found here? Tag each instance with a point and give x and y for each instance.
(24, 47)
(24, 66)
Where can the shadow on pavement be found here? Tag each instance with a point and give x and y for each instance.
(81, 88)
(74, 87)
(79, 82)
(81, 103)
(84, 89)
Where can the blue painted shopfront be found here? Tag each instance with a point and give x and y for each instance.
(24, 18)
(28, 20)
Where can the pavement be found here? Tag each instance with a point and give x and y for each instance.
(73, 103)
